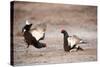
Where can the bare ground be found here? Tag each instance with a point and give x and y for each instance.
(77, 20)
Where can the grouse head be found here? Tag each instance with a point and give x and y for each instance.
(27, 26)
(64, 32)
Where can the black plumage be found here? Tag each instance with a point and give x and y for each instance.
(29, 39)
(65, 43)
(71, 42)
(26, 28)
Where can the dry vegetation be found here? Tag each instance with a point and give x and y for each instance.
(76, 19)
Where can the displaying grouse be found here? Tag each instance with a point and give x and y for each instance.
(71, 42)
(29, 38)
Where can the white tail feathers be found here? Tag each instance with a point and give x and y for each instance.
(37, 34)
(27, 22)
(74, 40)
(82, 41)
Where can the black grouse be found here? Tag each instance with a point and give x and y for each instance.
(29, 38)
(71, 42)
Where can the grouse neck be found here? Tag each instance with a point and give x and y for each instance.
(66, 47)
(66, 35)
(65, 38)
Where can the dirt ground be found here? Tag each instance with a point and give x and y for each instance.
(76, 19)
